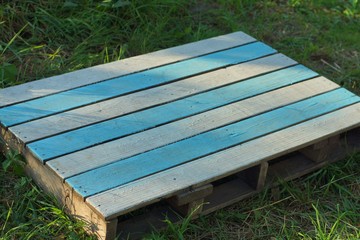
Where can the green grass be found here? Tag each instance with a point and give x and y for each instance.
(45, 38)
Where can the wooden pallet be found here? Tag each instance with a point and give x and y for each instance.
(187, 129)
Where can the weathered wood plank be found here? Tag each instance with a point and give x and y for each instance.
(11, 140)
(52, 104)
(52, 185)
(153, 117)
(123, 199)
(74, 205)
(193, 208)
(168, 156)
(93, 113)
(103, 154)
(102, 72)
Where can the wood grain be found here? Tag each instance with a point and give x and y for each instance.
(192, 195)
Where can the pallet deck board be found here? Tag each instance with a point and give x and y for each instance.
(213, 121)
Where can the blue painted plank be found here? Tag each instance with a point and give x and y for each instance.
(130, 169)
(75, 140)
(81, 96)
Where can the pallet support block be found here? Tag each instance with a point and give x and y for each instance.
(321, 151)
(313, 157)
(201, 126)
(192, 201)
(351, 141)
(255, 176)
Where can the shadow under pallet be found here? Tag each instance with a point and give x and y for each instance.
(185, 130)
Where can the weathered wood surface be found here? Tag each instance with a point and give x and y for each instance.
(209, 122)
(149, 118)
(223, 163)
(139, 166)
(103, 154)
(192, 195)
(101, 111)
(77, 97)
(99, 73)
(157, 115)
